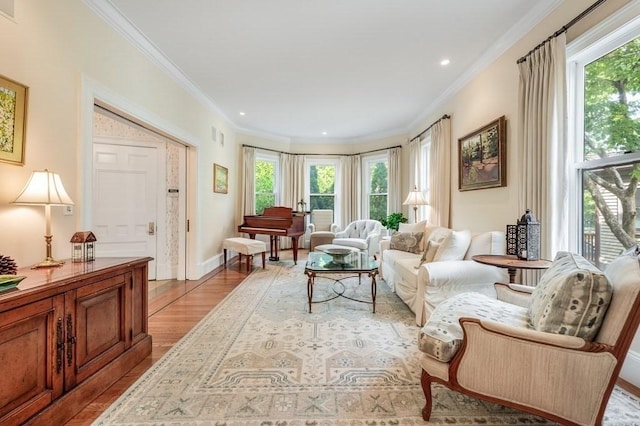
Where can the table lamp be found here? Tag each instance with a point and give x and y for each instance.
(415, 199)
(45, 188)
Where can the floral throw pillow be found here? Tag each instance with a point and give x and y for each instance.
(406, 241)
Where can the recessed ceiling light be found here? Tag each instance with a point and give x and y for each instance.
(445, 62)
(241, 112)
(324, 133)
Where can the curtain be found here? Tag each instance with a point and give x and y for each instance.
(351, 190)
(394, 190)
(292, 172)
(439, 196)
(249, 181)
(543, 151)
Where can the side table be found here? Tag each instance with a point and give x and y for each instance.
(511, 262)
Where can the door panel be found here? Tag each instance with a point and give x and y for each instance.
(124, 201)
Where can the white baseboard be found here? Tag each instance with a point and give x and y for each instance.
(208, 266)
(631, 368)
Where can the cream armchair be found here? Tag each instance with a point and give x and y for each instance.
(497, 356)
(362, 234)
(321, 228)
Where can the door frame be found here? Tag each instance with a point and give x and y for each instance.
(92, 93)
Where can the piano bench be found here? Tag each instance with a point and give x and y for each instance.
(245, 246)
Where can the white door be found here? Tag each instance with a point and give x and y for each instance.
(124, 201)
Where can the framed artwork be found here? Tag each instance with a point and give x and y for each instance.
(482, 157)
(220, 179)
(13, 113)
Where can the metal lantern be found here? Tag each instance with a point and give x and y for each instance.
(523, 239)
(83, 246)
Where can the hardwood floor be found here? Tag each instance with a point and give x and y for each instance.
(174, 308)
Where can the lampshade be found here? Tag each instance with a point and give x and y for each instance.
(44, 188)
(415, 198)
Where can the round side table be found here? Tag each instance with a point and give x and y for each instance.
(511, 262)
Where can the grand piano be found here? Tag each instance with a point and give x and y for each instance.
(276, 222)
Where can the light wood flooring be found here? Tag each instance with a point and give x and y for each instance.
(174, 308)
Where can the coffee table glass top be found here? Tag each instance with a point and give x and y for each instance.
(354, 262)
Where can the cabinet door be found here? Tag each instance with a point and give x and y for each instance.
(95, 326)
(31, 339)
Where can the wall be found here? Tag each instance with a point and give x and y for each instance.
(62, 51)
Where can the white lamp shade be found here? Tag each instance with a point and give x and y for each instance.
(44, 188)
(415, 198)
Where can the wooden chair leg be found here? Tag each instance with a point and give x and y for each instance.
(263, 260)
(249, 262)
(425, 380)
(225, 258)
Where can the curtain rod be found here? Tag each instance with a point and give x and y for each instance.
(563, 29)
(444, 117)
(344, 155)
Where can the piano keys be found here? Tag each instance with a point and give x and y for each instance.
(276, 222)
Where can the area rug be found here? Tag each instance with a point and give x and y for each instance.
(260, 358)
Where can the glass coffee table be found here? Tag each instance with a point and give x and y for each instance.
(352, 263)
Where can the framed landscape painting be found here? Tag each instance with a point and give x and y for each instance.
(220, 179)
(482, 157)
(13, 112)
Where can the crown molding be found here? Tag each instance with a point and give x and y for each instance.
(112, 16)
(508, 39)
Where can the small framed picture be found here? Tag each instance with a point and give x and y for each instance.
(220, 179)
(13, 121)
(482, 157)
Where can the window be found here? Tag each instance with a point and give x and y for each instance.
(605, 110)
(266, 182)
(322, 185)
(377, 179)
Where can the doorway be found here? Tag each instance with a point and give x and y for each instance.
(138, 194)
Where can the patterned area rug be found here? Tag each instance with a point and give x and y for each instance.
(260, 358)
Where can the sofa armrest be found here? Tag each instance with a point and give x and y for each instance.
(384, 244)
(334, 228)
(459, 272)
(341, 234)
(515, 294)
(311, 228)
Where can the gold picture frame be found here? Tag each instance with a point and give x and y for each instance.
(220, 179)
(482, 157)
(13, 121)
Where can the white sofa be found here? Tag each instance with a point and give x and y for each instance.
(451, 271)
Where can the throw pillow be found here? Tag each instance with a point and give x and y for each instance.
(571, 298)
(415, 227)
(429, 252)
(454, 246)
(406, 241)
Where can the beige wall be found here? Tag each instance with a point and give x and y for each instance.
(55, 48)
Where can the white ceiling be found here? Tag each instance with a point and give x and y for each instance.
(355, 69)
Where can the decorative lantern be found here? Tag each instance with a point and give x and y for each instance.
(83, 247)
(523, 239)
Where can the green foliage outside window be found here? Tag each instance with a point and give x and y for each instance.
(322, 180)
(612, 128)
(378, 186)
(265, 185)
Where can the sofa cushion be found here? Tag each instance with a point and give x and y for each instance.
(454, 246)
(406, 241)
(351, 242)
(571, 298)
(441, 336)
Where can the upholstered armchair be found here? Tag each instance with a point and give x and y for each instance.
(321, 228)
(362, 234)
(555, 350)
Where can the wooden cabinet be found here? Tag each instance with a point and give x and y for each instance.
(67, 334)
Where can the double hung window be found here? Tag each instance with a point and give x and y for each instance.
(377, 180)
(266, 183)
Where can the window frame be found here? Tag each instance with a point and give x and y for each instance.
(612, 33)
(275, 160)
(323, 161)
(367, 162)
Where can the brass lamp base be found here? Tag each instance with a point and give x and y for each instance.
(49, 261)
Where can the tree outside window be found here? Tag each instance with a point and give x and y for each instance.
(611, 169)
(322, 181)
(378, 186)
(265, 184)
